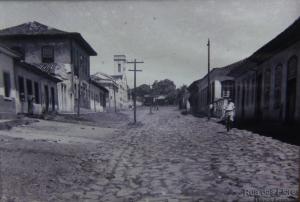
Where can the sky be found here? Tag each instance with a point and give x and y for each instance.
(170, 36)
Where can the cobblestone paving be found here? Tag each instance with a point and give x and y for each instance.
(171, 157)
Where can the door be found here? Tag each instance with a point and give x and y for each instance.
(53, 98)
(290, 107)
(29, 96)
(243, 100)
(291, 100)
(46, 98)
(258, 108)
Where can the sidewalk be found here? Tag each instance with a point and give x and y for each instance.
(7, 124)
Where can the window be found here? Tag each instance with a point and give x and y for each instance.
(53, 98)
(267, 86)
(76, 63)
(119, 67)
(253, 90)
(228, 89)
(86, 66)
(277, 86)
(47, 54)
(238, 94)
(248, 93)
(29, 87)
(81, 65)
(6, 79)
(37, 92)
(292, 68)
(212, 90)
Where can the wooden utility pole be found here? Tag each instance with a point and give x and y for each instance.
(208, 79)
(134, 91)
(115, 101)
(151, 99)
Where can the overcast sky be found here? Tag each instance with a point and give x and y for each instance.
(169, 36)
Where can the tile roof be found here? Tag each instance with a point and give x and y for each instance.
(117, 76)
(96, 83)
(54, 69)
(285, 39)
(30, 28)
(46, 67)
(218, 72)
(38, 71)
(36, 29)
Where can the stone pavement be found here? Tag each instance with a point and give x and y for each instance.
(166, 157)
(170, 157)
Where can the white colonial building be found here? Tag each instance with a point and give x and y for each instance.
(110, 84)
(121, 79)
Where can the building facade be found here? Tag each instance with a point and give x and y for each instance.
(268, 86)
(36, 90)
(98, 96)
(24, 87)
(67, 52)
(221, 89)
(111, 86)
(119, 76)
(7, 83)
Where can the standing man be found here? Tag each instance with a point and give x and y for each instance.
(229, 114)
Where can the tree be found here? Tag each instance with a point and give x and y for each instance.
(143, 90)
(165, 87)
(181, 96)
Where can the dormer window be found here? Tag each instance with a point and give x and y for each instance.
(47, 54)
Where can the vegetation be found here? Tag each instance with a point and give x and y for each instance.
(164, 87)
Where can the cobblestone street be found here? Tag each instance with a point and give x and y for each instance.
(166, 157)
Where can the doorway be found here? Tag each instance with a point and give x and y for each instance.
(46, 98)
(258, 108)
(291, 100)
(290, 107)
(29, 96)
(243, 100)
(53, 99)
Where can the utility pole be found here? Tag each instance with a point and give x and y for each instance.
(115, 102)
(208, 80)
(151, 99)
(134, 91)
